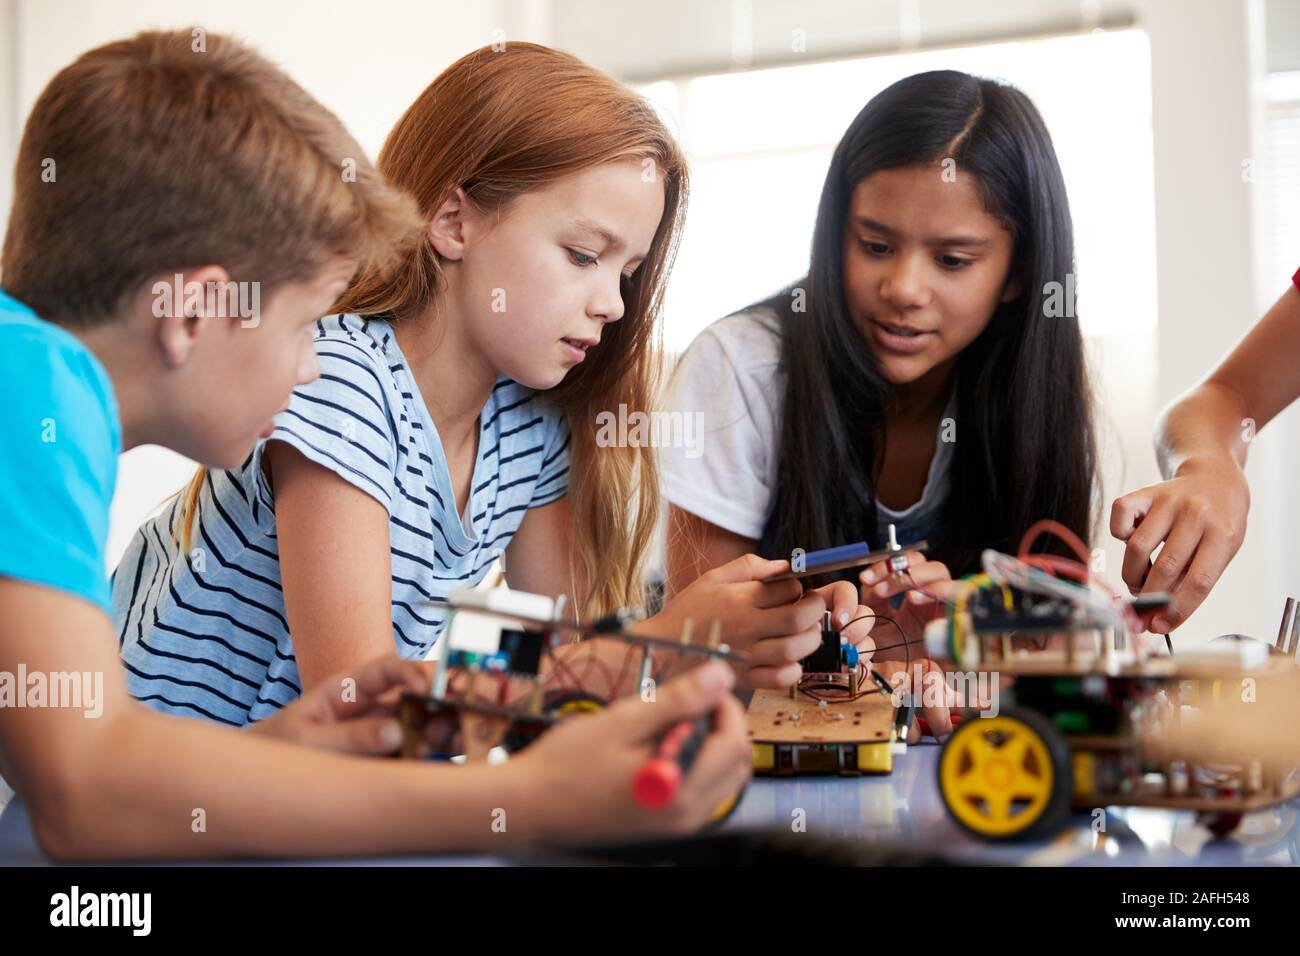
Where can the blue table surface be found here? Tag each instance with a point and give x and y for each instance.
(903, 809)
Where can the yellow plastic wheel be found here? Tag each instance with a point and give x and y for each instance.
(726, 809)
(559, 704)
(1006, 777)
(571, 703)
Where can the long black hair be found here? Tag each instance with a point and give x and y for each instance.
(1024, 446)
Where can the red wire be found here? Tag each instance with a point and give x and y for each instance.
(559, 664)
(1059, 565)
(593, 662)
(1049, 526)
(916, 587)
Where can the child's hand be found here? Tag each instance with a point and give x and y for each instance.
(355, 713)
(1201, 518)
(575, 782)
(775, 624)
(927, 584)
(923, 683)
(934, 695)
(853, 620)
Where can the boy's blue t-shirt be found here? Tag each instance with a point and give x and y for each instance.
(59, 440)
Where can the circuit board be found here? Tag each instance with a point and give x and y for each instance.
(799, 735)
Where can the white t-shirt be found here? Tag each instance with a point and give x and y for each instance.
(730, 375)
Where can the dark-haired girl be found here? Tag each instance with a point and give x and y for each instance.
(928, 372)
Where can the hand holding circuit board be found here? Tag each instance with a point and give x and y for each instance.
(889, 572)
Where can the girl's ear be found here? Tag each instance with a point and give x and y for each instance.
(1011, 291)
(447, 227)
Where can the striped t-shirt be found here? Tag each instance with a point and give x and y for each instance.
(205, 634)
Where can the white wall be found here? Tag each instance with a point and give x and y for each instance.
(640, 40)
(9, 118)
(366, 63)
